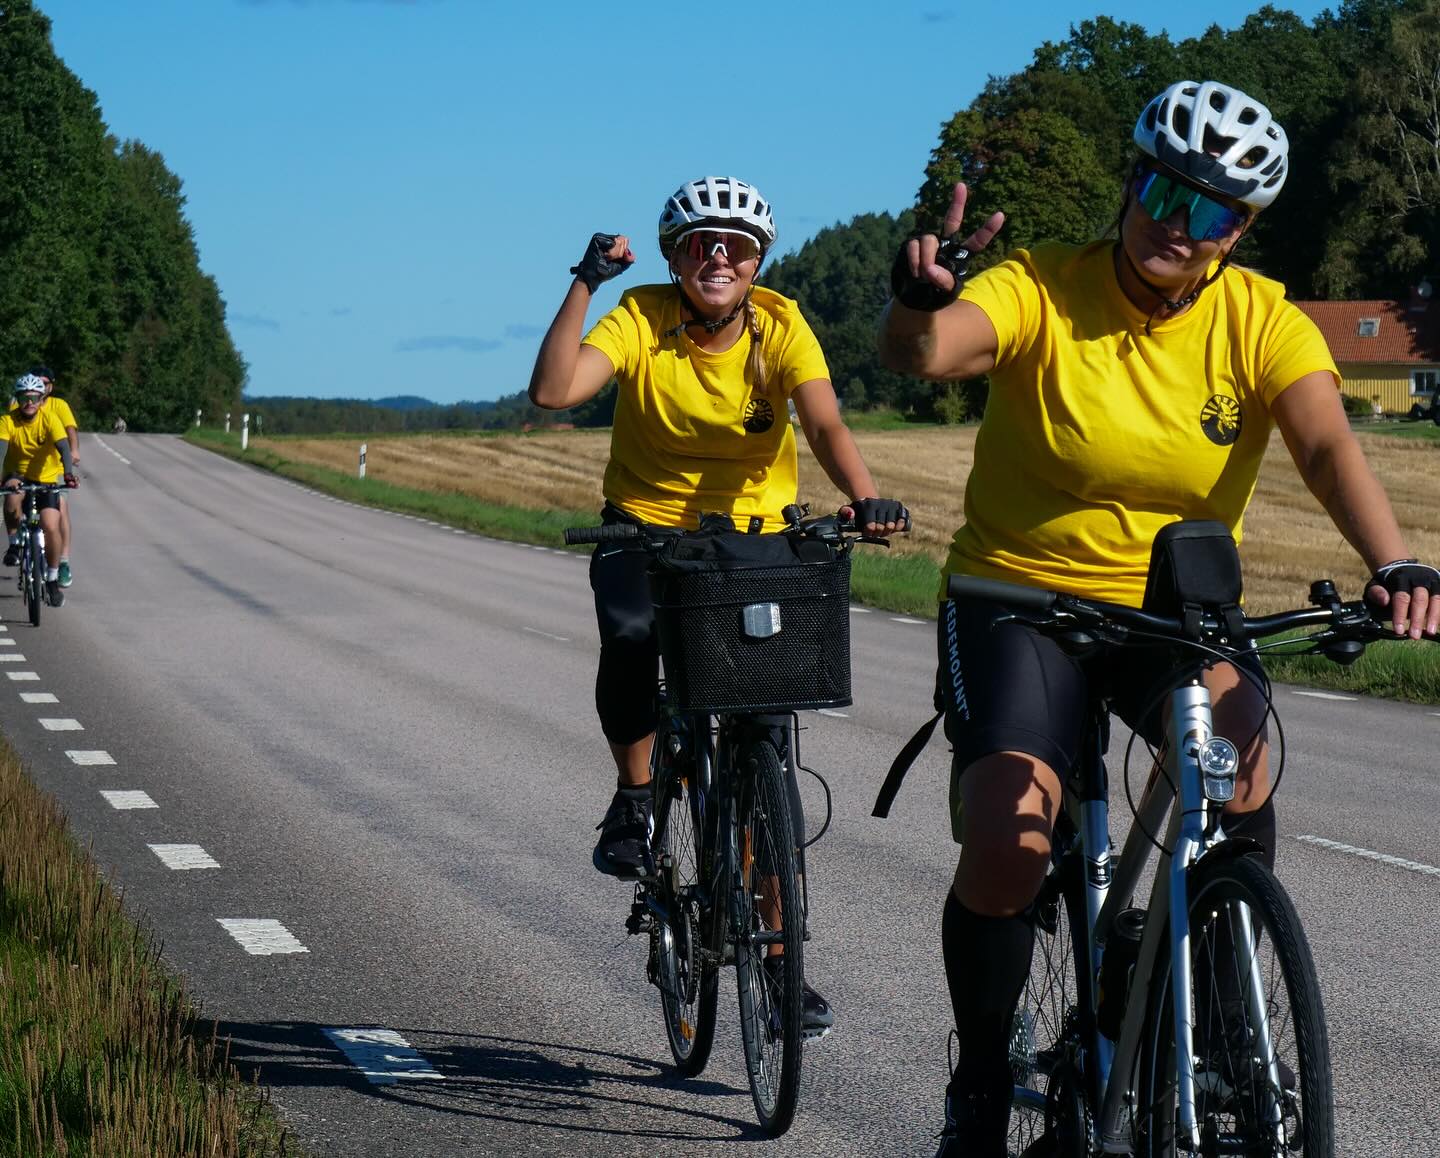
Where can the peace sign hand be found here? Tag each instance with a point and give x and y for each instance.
(928, 271)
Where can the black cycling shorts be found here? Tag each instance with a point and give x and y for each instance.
(1005, 687)
(49, 501)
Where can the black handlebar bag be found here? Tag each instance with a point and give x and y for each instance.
(1195, 571)
(753, 623)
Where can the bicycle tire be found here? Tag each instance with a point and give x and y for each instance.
(1051, 1025)
(770, 995)
(1234, 1096)
(687, 976)
(35, 575)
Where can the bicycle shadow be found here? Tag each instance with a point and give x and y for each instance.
(508, 1080)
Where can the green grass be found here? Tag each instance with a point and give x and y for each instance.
(1425, 430)
(102, 1053)
(903, 583)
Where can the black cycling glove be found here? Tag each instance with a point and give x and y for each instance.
(916, 293)
(1406, 575)
(879, 511)
(595, 268)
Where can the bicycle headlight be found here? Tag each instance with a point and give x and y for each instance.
(1218, 759)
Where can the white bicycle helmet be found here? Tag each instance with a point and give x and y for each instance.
(716, 203)
(29, 384)
(1218, 138)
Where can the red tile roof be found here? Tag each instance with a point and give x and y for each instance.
(1403, 335)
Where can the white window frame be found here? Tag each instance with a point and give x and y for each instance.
(1368, 328)
(1424, 381)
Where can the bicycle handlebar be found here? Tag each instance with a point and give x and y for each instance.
(1343, 622)
(831, 527)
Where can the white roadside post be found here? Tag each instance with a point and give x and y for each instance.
(227, 422)
(197, 420)
(363, 447)
(244, 431)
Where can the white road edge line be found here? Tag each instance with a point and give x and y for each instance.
(183, 856)
(1327, 696)
(382, 1055)
(547, 635)
(904, 619)
(1370, 854)
(261, 936)
(128, 799)
(832, 712)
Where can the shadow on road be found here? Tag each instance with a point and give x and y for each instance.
(527, 1083)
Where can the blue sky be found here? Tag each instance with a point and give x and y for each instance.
(390, 192)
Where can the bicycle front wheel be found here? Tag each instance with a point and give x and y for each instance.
(770, 932)
(687, 974)
(35, 576)
(1262, 1055)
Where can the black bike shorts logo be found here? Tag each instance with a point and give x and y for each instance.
(1220, 419)
(759, 416)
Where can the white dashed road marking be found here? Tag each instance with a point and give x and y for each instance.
(6, 641)
(112, 450)
(261, 937)
(13, 657)
(22, 675)
(860, 610)
(547, 635)
(53, 724)
(1371, 854)
(82, 757)
(39, 697)
(1327, 696)
(184, 856)
(382, 1055)
(833, 712)
(903, 619)
(128, 799)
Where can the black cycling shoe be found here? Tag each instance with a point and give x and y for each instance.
(12, 556)
(54, 593)
(817, 1019)
(975, 1126)
(625, 834)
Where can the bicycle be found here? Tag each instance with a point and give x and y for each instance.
(31, 547)
(751, 631)
(1194, 1025)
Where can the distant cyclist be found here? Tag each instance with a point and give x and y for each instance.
(35, 449)
(1134, 382)
(67, 417)
(706, 367)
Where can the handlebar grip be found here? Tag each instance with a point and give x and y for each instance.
(974, 587)
(609, 533)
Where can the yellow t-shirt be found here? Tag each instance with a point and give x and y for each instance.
(32, 454)
(50, 461)
(1096, 434)
(690, 434)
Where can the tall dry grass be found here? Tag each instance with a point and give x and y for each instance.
(101, 1052)
(1289, 540)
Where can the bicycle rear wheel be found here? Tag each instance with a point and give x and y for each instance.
(1249, 1099)
(34, 575)
(770, 918)
(687, 975)
(1046, 1035)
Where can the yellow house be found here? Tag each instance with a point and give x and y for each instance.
(1388, 352)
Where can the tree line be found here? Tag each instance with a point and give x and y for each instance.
(102, 278)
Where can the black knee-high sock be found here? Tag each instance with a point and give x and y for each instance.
(986, 962)
(1257, 826)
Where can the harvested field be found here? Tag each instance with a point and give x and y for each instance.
(1289, 539)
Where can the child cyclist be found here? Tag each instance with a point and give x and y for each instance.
(706, 368)
(1138, 380)
(35, 449)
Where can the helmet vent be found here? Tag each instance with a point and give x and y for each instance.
(1181, 120)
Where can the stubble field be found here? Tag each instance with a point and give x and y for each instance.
(1289, 540)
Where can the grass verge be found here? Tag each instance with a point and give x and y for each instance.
(904, 583)
(101, 1052)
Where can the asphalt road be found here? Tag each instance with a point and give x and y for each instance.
(380, 735)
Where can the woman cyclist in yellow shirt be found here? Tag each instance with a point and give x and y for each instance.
(706, 368)
(1138, 380)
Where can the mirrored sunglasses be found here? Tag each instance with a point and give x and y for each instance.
(704, 244)
(1206, 218)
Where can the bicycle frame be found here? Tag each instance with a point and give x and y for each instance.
(1188, 837)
